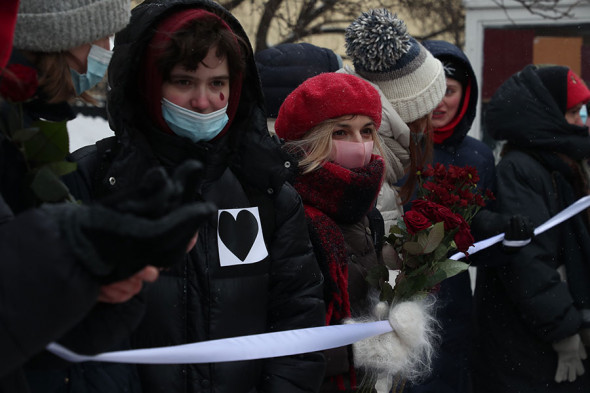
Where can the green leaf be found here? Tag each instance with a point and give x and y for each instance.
(386, 293)
(24, 134)
(377, 275)
(437, 232)
(446, 269)
(48, 187)
(63, 167)
(49, 145)
(441, 252)
(413, 248)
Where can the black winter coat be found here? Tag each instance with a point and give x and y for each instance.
(45, 293)
(201, 299)
(523, 306)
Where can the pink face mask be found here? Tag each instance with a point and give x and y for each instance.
(351, 154)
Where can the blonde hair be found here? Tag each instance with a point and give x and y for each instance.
(55, 79)
(316, 145)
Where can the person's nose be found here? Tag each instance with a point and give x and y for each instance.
(356, 137)
(199, 100)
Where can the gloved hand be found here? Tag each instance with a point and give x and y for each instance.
(158, 193)
(518, 232)
(116, 240)
(570, 353)
(406, 350)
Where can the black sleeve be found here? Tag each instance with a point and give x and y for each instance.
(44, 292)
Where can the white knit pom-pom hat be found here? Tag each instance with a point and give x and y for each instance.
(384, 53)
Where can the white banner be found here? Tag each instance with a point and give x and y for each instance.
(285, 343)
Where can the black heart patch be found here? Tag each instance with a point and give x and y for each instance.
(238, 234)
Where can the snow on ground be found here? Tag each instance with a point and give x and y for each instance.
(86, 130)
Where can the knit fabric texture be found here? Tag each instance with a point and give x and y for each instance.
(326, 96)
(54, 26)
(577, 91)
(335, 195)
(384, 53)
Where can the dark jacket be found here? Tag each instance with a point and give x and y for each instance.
(201, 299)
(454, 312)
(523, 306)
(46, 294)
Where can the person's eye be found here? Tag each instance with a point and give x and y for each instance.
(367, 132)
(338, 133)
(218, 84)
(181, 82)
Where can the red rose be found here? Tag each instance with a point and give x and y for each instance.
(437, 213)
(463, 238)
(416, 222)
(18, 82)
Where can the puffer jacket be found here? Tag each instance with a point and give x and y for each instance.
(523, 306)
(211, 296)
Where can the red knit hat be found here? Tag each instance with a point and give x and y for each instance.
(577, 91)
(324, 97)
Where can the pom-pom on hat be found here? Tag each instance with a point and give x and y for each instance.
(326, 96)
(59, 25)
(384, 53)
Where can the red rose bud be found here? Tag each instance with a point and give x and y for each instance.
(463, 238)
(415, 222)
(18, 82)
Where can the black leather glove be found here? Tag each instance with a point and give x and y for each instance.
(518, 232)
(132, 230)
(158, 193)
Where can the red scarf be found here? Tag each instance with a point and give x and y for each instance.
(442, 134)
(335, 195)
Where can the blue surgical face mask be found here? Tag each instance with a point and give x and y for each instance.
(98, 62)
(584, 114)
(193, 125)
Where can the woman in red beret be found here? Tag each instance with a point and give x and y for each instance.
(330, 124)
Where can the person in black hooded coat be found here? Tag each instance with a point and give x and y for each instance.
(532, 311)
(251, 271)
(61, 263)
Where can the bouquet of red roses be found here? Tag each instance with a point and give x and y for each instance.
(437, 224)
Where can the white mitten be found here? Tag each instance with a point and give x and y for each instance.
(570, 353)
(407, 350)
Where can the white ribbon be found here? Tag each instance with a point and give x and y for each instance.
(568, 212)
(285, 343)
(257, 346)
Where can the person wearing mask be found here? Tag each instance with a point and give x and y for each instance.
(411, 83)
(330, 125)
(184, 85)
(67, 270)
(532, 312)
